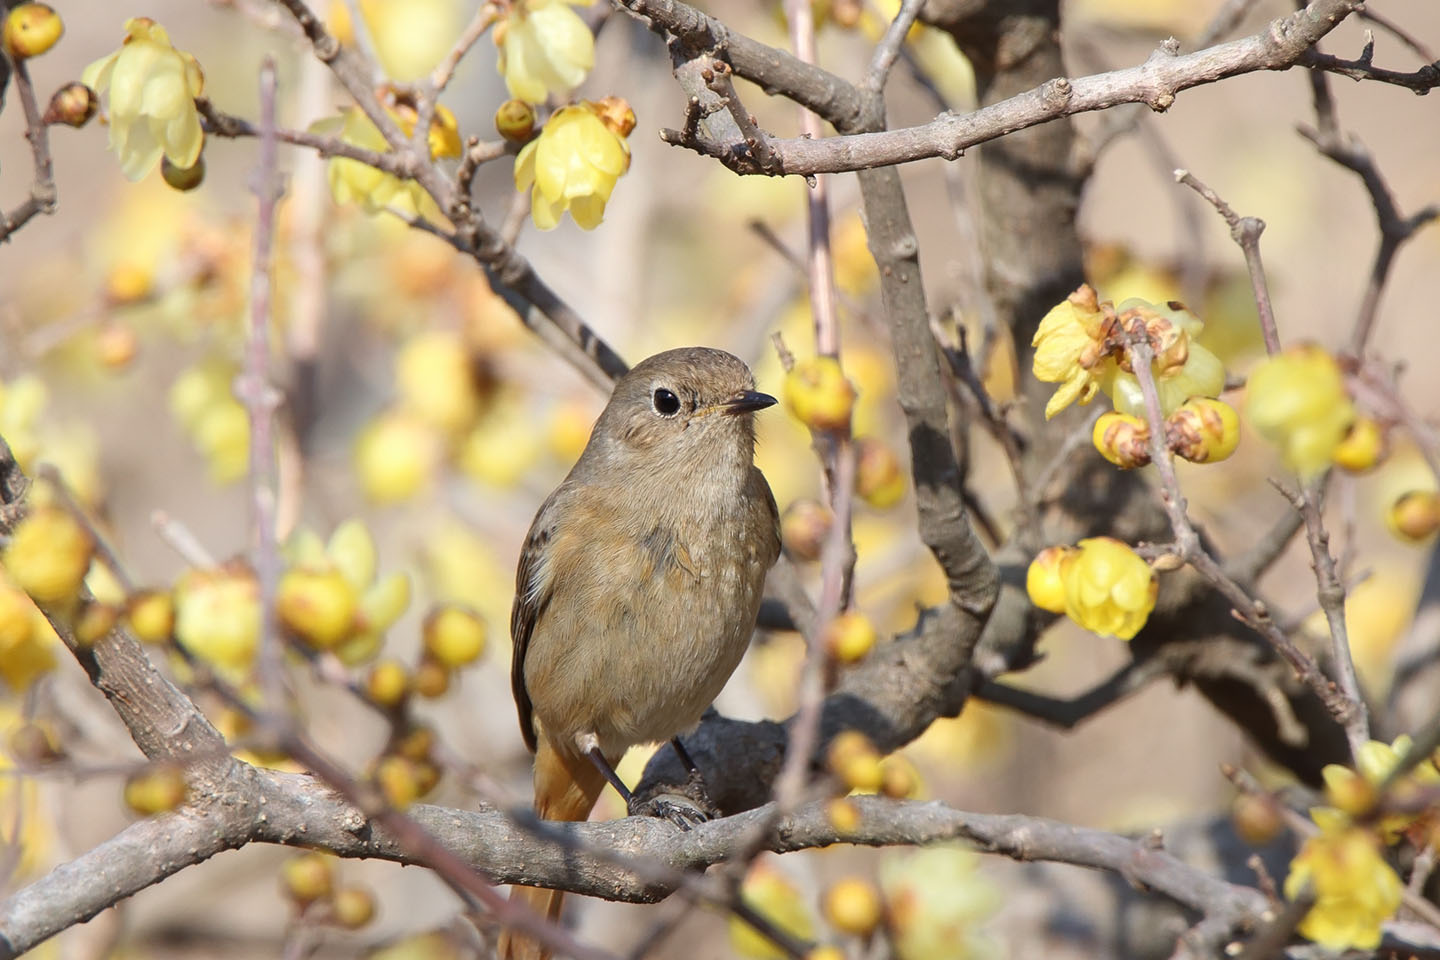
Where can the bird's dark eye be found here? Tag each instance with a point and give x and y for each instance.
(666, 403)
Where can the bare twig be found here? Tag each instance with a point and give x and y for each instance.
(1245, 231)
(260, 397)
(1394, 228)
(483, 20)
(888, 49)
(43, 192)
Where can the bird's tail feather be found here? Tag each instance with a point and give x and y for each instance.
(566, 788)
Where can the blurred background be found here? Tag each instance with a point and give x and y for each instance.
(122, 315)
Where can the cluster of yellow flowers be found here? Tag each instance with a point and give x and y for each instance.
(1101, 584)
(1081, 344)
(933, 903)
(1342, 864)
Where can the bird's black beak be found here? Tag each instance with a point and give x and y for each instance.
(747, 401)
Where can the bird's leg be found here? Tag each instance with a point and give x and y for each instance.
(608, 772)
(677, 808)
(694, 779)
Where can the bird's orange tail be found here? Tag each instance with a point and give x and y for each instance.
(566, 788)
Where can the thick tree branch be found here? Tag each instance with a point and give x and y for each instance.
(1155, 82)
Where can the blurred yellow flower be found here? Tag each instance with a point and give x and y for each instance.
(22, 400)
(1109, 589)
(1355, 889)
(1068, 350)
(572, 165)
(410, 36)
(27, 644)
(217, 618)
(545, 48)
(936, 900)
(1354, 792)
(151, 108)
(503, 445)
(436, 382)
(395, 455)
(354, 182)
(770, 893)
(1297, 401)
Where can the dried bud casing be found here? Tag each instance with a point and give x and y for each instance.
(73, 105)
(1122, 439)
(1203, 430)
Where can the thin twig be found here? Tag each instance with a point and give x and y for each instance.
(889, 46)
(43, 192)
(483, 20)
(1245, 231)
(260, 397)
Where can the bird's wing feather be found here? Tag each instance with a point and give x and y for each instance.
(533, 588)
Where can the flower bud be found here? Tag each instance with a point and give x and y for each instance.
(387, 683)
(515, 121)
(843, 815)
(151, 615)
(116, 344)
(183, 179)
(30, 29)
(878, 477)
(900, 777)
(849, 637)
(846, 13)
(1122, 439)
(1415, 516)
(1256, 818)
(307, 878)
(432, 679)
(1203, 430)
(73, 105)
(398, 780)
(48, 555)
(454, 636)
(818, 394)
(156, 789)
(852, 906)
(318, 606)
(352, 907)
(1362, 448)
(804, 528)
(1043, 581)
(94, 621)
(854, 759)
(417, 743)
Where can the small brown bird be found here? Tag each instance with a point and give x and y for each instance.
(639, 582)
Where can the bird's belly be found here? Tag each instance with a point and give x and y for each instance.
(643, 667)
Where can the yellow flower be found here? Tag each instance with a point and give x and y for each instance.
(1182, 368)
(27, 642)
(152, 89)
(436, 380)
(354, 182)
(1355, 792)
(545, 48)
(572, 165)
(1355, 889)
(217, 618)
(771, 894)
(1297, 401)
(1068, 350)
(936, 900)
(1109, 589)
